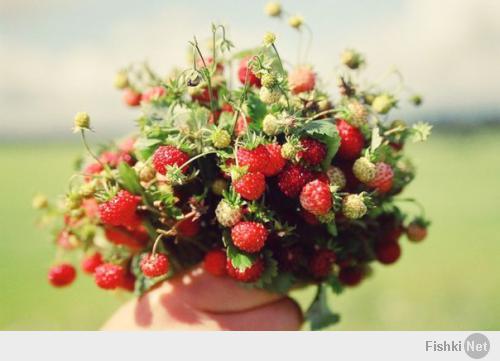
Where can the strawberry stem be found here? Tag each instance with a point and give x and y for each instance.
(92, 154)
(202, 73)
(155, 244)
(196, 157)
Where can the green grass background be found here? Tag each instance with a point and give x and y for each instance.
(449, 282)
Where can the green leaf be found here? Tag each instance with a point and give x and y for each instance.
(144, 147)
(331, 227)
(239, 259)
(281, 283)
(320, 127)
(270, 271)
(129, 179)
(325, 131)
(198, 118)
(256, 109)
(334, 283)
(319, 314)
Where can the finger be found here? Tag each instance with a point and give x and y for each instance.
(282, 315)
(205, 292)
(154, 312)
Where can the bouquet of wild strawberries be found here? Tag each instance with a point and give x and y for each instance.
(268, 181)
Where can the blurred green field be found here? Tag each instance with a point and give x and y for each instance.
(449, 282)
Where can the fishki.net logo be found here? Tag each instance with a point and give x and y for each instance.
(475, 346)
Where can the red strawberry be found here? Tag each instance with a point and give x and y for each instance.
(113, 159)
(256, 160)
(345, 262)
(215, 262)
(120, 210)
(241, 125)
(351, 276)
(388, 253)
(276, 161)
(90, 263)
(214, 117)
(188, 227)
(351, 140)
(322, 177)
(127, 145)
(168, 155)
(226, 107)
(383, 178)
(321, 263)
(154, 265)
(249, 274)
(416, 232)
(109, 276)
(128, 282)
(92, 168)
(153, 94)
(289, 258)
(122, 237)
(203, 96)
(396, 146)
(245, 74)
(314, 151)
(316, 197)
(301, 79)
(62, 275)
(293, 178)
(249, 236)
(250, 186)
(131, 97)
(391, 233)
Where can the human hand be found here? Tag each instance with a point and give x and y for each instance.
(197, 300)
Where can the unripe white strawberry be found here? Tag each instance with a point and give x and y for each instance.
(88, 189)
(221, 138)
(295, 21)
(40, 201)
(336, 177)
(351, 58)
(81, 121)
(268, 80)
(353, 206)
(269, 96)
(121, 80)
(383, 103)
(364, 169)
(227, 215)
(416, 100)
(147, 173)
(357, 113)
(289, 150)
(218, 186)
(270, 125)
(73, 201)
(273, 8)
(324, 104)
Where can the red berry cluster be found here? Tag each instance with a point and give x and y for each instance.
(268, 183)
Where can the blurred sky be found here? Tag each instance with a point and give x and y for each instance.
(58, 57)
